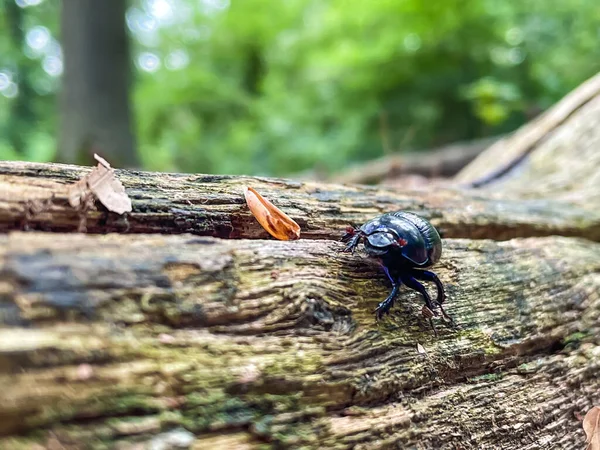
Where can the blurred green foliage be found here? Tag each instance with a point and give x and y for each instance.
(279, 86)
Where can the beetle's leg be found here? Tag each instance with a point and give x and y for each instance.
(412, 283)
(426, 275)
(353, 240)
(385, 306)
(387, 272)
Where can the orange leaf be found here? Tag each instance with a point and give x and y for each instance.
(270, 217)
(591, 426)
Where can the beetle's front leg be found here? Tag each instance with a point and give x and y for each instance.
(352, 238)
(385, 306)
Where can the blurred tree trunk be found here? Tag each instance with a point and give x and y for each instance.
(95, 111)
(22, 113)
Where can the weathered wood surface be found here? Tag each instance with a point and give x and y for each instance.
(442, 162)
(555, 155)
(126, 339)
(215, 206)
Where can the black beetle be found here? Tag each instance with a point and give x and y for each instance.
(404, 244)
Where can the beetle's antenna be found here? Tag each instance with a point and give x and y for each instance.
(351, 230)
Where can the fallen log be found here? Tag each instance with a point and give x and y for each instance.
(441, 162)
(556, 155)
(35, 196)
(131, 337)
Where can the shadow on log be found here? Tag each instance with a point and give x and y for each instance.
(182, 325)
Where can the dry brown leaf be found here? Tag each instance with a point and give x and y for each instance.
(591, 426)
(107, 187)
(272, 219)
(103, 183)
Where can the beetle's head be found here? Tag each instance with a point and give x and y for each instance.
(377, 242)
(382, 241)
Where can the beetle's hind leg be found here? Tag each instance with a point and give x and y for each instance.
(426, 275)
(412, 283)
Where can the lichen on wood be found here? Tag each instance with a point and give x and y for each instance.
(278, 343)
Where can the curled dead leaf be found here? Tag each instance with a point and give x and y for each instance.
(107, 187)
(271, 218)
(103, 183)
(591, 426)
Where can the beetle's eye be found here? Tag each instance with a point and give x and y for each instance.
(402, 242)
(350, 230)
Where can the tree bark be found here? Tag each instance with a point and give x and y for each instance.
(34, 196)
(555, 156)
(182, 324)
(123, 339)
(95, 111)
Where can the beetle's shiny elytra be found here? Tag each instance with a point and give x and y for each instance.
(405, 244)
